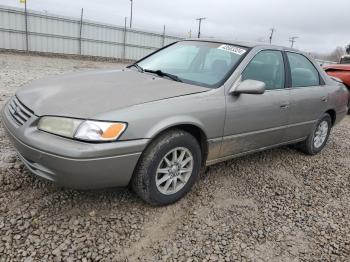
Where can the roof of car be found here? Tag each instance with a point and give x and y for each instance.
(239, 43)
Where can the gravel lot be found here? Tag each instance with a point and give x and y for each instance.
(279, 205)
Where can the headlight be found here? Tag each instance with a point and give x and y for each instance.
(99, 131)
(59, 125)
(95, 131)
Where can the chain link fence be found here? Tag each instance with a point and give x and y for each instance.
(40, 32)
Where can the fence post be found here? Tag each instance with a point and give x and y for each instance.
(26, 24)
(163, 36)
(124, 40)
(81, 29)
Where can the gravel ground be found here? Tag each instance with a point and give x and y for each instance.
(278, 205)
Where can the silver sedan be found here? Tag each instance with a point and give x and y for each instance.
(156, 123)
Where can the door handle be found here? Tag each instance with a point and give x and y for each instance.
(324, 99)
(284, 106)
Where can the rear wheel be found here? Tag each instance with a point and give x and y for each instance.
(168, 168)
(317, 140)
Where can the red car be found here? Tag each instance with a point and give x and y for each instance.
(342, 72)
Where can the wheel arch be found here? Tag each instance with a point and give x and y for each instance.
(194, 129)
(332, 113)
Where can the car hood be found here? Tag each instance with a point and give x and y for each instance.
(344, 67)
(84, 95)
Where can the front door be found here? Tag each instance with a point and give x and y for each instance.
(258, 121)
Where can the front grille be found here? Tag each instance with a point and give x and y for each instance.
(18, 111)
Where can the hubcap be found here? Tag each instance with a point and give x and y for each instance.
(321, 134)
(174, 171)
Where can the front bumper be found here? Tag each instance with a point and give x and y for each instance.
(70, 163)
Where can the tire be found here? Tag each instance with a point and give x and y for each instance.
(309, 146)
(146, 175)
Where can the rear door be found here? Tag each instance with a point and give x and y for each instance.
(309, 96)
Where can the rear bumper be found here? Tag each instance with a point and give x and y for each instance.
(72, 163)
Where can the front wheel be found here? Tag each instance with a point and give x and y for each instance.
(317, 140)
(168, 168)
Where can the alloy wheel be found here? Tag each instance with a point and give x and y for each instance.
(174, 170)
(321, 134)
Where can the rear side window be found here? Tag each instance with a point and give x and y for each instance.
(268, 67)
(303, 71)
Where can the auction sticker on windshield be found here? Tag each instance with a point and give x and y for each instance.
(232, 49)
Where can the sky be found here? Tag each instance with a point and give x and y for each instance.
(320, 25)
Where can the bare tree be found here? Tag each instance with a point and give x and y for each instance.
(335, 55)
(338, 53)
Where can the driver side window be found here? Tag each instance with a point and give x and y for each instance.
(268, 67)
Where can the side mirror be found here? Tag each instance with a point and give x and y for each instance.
(248, 86)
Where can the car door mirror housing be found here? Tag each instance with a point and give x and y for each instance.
(248, 86)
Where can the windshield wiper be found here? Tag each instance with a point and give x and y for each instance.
(161, 73)
(138, 67)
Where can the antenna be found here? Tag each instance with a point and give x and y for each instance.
(271, 35)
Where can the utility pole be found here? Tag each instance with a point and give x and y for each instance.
(131, 3)
(124, 38)
(293, 40)
(81, 29)
(26, 23)
(271, 35)
(199, 25)
(163, 36)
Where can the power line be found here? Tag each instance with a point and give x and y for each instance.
(199, 25)
(293, 40)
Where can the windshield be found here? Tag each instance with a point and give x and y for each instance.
(201, 63)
